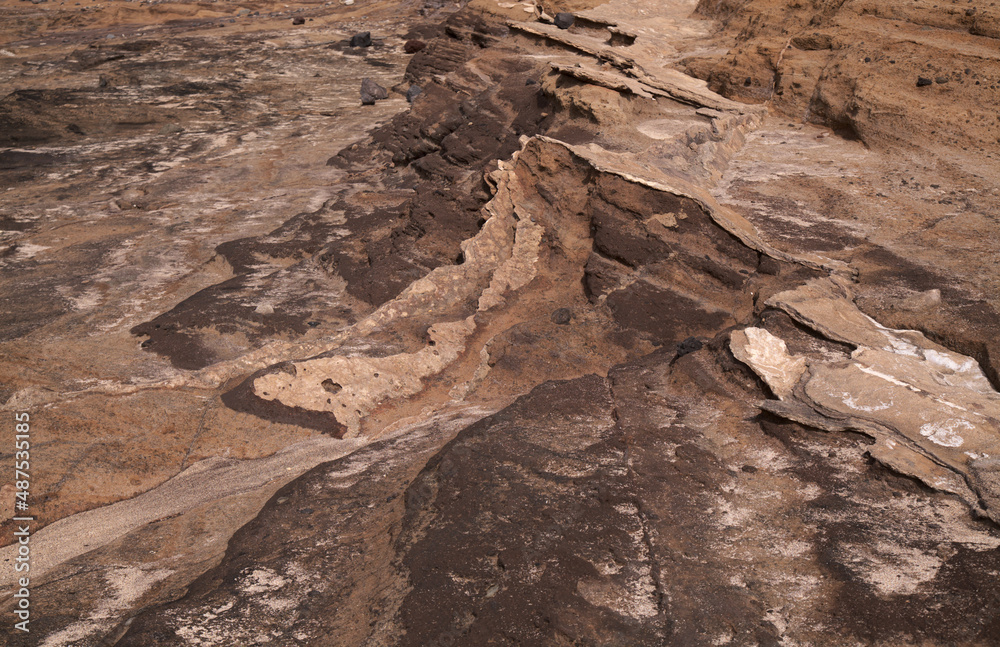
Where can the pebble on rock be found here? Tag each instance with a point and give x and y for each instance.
(362, 39)
(562, 316)
(298, 21)
(923, 81)
(414, 46)
(412, 93)
(564, 20)
(372, 92)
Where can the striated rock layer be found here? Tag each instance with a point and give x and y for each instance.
(574, 348)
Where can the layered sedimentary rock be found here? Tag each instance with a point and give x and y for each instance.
(570, 349)
(919, 74)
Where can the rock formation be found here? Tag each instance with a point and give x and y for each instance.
(645, 324)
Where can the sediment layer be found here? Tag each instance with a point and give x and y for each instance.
(572, 349)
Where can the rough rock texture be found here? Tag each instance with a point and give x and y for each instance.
(372, 92)
(571, 349)
(933, 414)
(856, 66)
(650, 507)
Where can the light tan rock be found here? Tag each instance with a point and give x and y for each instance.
(932, 411)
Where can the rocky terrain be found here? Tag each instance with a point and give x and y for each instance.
(621, 323)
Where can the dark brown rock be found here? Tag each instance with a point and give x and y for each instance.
(562, 316)
(413, 46)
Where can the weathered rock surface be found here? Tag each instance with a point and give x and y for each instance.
(856, 67)
(570, 350)
(646, 508)
(372, 92)
(933, 414)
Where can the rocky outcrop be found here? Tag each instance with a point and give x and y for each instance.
(645, 508)
(857, 65)
(570, 349)
(932, 413)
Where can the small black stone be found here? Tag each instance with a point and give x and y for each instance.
(689, 345)
(413, 92)
(747, 81)
(531, 82)
(868, 59)
(298, 21)
(564, 20)
(362, 39)
(941, 79)
(923, 81)
(562, 316)
(749, 469)
(312, 324)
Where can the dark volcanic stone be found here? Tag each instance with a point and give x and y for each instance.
(362, 39)
(298, 21)
(923, 81)
(689, 345)
(412, 93)
(941, 79)
(414, 46)
(372, 92)
(564, 20)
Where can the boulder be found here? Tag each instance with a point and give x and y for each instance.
(362, 39)
(372, 92)
(414, 46)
